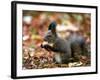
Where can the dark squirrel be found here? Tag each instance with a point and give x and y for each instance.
(66, 50)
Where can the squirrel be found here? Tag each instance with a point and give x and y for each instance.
(66, 50)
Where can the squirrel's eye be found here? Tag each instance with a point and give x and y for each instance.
(49, 36)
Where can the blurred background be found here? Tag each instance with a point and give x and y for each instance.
(35, 25)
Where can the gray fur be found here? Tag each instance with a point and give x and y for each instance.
(65, 49)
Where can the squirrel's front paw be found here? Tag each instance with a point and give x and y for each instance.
(47, 47)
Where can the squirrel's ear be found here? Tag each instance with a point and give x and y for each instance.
(52, 26)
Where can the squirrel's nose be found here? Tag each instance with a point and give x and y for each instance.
(41, 46)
